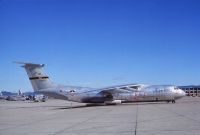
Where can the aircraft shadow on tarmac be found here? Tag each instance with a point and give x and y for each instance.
(144, 103)
(77, 106)
(100, 105)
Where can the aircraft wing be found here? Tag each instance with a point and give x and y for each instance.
(121, 89)
(114, 90)
(124, 88)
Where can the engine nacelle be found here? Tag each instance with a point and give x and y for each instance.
(114, 102)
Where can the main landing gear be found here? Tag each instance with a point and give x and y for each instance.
(173, 101)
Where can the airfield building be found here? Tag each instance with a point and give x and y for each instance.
(191, 90)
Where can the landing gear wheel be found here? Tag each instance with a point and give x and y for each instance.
(173, 101)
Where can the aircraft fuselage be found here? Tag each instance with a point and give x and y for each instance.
(151, 93)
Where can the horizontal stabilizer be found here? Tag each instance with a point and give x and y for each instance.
(29, 64)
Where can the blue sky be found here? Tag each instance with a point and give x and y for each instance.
(99, 43)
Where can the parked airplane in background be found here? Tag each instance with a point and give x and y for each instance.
(1, 96)
(110, 95)
(12, 96)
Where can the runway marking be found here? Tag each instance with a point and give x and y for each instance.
(35, 121)
(81, 122)
(136, 122)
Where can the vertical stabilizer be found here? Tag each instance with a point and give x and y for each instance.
(20, 93)
(37, 77)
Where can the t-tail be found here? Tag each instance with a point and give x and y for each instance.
(37, 77)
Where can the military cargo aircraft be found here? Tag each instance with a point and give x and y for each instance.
(109, 95)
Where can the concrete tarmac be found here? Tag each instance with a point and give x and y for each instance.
(57, 117)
